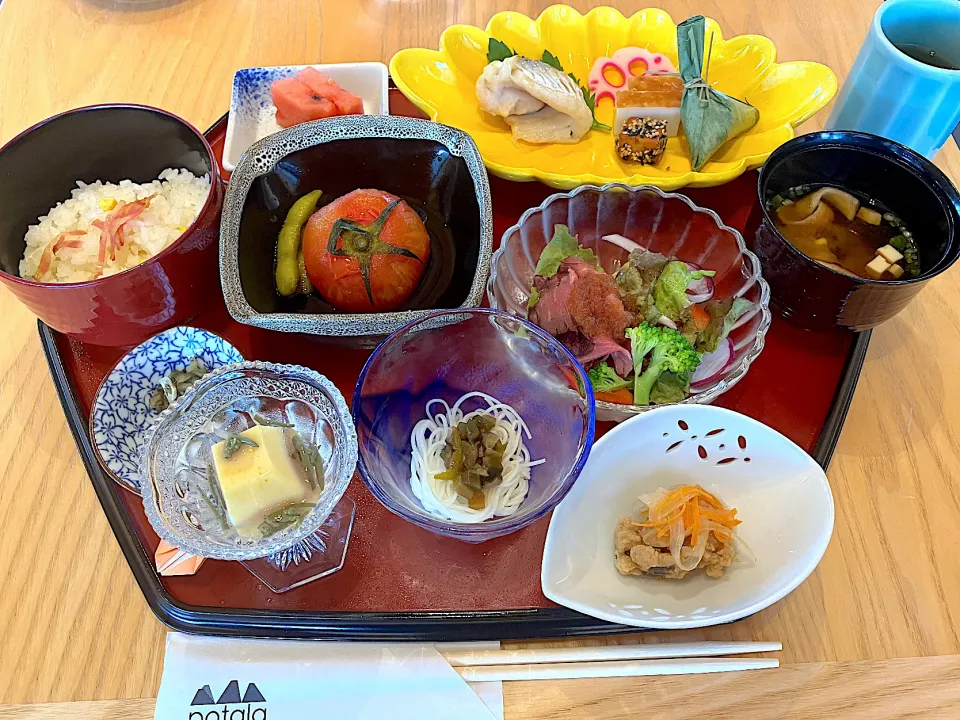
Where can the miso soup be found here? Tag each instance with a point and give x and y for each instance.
(850, 234)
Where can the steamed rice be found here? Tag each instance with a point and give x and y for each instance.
(180, 195)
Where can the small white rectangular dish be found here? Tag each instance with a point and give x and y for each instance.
(252, 112)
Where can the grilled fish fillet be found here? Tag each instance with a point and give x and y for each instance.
(540, 103)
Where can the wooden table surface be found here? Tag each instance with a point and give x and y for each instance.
(875, 631)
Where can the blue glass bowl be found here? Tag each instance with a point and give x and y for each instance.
(446, 355)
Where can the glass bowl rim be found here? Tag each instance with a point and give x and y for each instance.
(498, 526)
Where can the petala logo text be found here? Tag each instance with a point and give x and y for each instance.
(229, 706)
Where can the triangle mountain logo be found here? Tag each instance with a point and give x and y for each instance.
(230, 695)
(229, 706)
(253, 694)
(203, 696)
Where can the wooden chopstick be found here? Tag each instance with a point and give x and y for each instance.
(612, 668)
(462, 656)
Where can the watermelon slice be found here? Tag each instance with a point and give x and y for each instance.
(296, 103)
(347, 103)
(311, 95)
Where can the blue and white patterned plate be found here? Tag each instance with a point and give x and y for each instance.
(120, 412)
(253, 114)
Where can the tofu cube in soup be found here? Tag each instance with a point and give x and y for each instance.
(890, 254)
(876, 267)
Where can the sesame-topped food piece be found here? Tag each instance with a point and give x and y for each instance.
(642, 140)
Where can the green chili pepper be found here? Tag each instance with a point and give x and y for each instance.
(291, 273)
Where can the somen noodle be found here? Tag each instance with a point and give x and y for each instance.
(440, 497)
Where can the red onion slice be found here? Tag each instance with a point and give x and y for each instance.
(621, 241)
(712, 366)
(700, 290)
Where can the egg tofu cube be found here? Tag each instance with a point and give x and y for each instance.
(877, 267)
(890, 254)
(257, 479)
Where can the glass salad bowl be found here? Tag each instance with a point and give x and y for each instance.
(667, 223)
(180, 495)
(447, 355)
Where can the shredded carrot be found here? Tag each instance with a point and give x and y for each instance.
(700, 317)
(621, 396)
(692, 504)
(571, 379)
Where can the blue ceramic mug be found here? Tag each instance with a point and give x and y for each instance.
(888, 92)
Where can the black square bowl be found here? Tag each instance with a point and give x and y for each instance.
(436, 168)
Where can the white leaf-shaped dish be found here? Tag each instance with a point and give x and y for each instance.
(781, 495)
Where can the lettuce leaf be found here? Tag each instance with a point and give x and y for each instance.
(605, 379)
(562, 246)
(724, 316)
(670, 388)
(670, 292)
(534, 298)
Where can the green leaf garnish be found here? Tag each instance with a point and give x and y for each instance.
(553, 61)
(497, 50)
(310, 461)
(290, 516)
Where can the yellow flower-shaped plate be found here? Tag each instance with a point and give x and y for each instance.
(442, 84)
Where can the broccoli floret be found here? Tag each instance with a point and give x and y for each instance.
(643, 339)
(605, 379)
(671, 353)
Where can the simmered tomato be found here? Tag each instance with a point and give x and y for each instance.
(366, 251)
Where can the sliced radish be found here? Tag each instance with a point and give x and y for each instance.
(624, 242)
(712, 365)
(701, 290)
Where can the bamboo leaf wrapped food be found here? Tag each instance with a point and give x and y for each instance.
(710, 118)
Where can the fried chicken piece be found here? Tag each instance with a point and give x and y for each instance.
(654, 563)
(627, 536)
(714, 562)
(626, 566)
(634, 557)
(637, 553)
